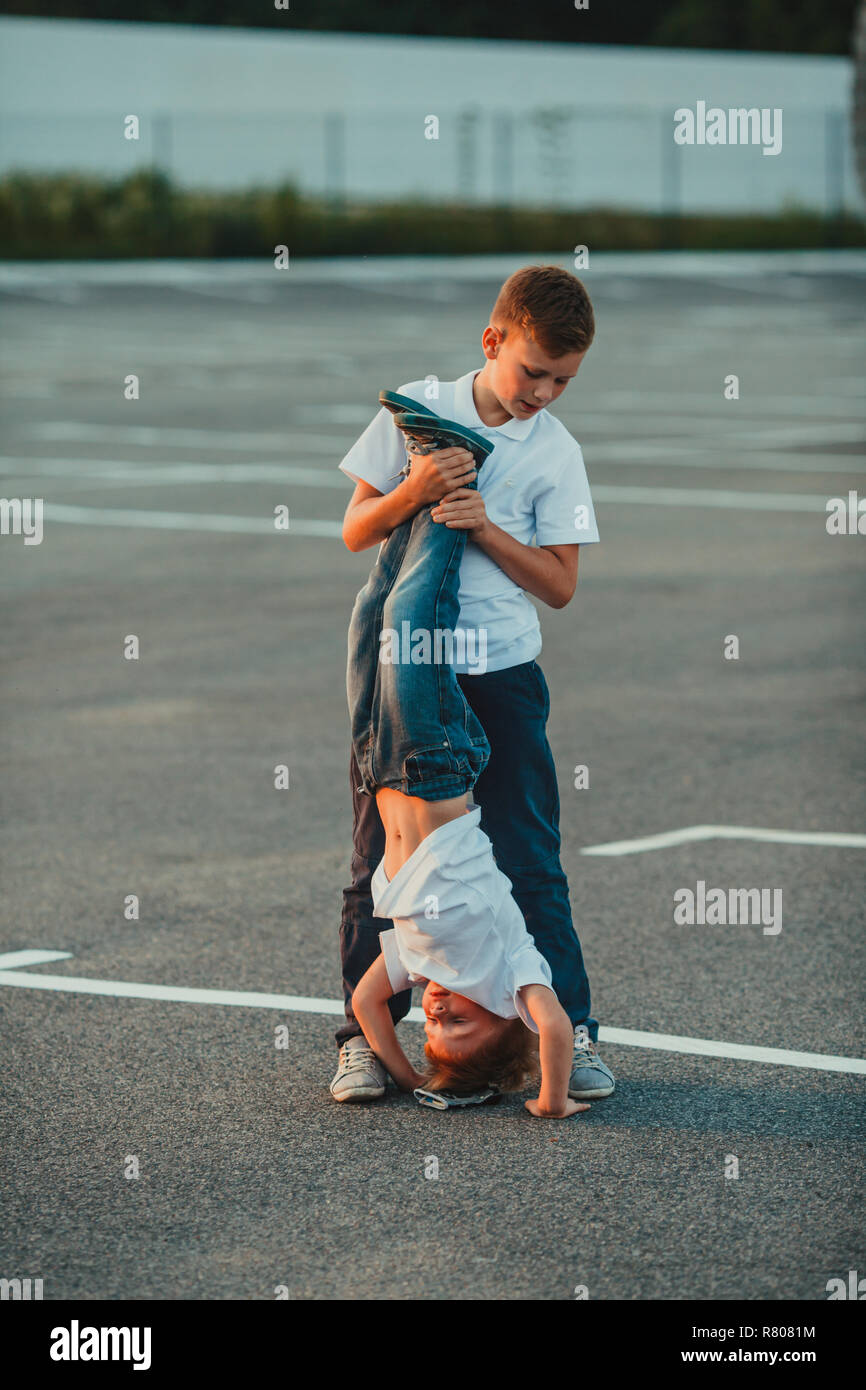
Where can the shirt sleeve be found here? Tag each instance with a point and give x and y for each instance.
(564, 514)
(528, 967)
(398, 975)
(378, 455)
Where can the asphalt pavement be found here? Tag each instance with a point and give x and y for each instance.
(168, 1148)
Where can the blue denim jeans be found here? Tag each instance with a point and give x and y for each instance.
(412, 727)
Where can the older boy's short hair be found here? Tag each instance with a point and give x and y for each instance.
(549, 304)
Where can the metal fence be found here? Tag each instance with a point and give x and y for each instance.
(621, 157)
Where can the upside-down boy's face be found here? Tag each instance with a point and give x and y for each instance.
(523, 378)
(455, 1026)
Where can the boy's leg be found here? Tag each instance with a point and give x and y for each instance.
(412, 731)
(519, 800)
(410, 724)
(359, 929)
(412, 728)
(409, 727)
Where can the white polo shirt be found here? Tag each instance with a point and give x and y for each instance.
(534, 487)
(456, 923)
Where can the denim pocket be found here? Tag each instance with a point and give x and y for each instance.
(431, 764)
(428, 766)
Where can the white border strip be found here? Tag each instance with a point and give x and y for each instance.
(691, 833)
(295, 1003)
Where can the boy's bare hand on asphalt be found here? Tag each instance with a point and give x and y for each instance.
(435, 474)
(572, 1107)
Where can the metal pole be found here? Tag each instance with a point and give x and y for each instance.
(503, 158)
(335, 158)
(161, 143)
(467, 155)
(671, 181)
(834, 165)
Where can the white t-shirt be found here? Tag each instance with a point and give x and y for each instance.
(456, 923)
(534, 485)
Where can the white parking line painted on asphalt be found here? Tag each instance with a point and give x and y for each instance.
(360, 413)
(706, 432)
(738, 1052)
(819, 433)
(692, 833)
(625, 452)
(150, 436)
(704, 404)
(698, 454)
(218, 521)
(711, 497)
(188, 521)
(15, 275)
(127, 989)
(14, 958)
(175, 474)
(685, 434)
(297, 1003)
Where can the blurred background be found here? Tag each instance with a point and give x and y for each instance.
(256, 125)
(149, 263)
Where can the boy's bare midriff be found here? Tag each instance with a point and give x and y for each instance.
(410, 819)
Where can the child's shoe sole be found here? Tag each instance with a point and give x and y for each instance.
(396, 403)
(425, 435)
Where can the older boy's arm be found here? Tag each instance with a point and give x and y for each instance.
(547, 571)
(555, 1040)
(371, 515)
(370, 1005)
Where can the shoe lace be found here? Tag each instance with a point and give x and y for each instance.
(356, 1058)
(584, 1051)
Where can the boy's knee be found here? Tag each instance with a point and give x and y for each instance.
(408, 602)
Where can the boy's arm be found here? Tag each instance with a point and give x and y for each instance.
(370, 1006)
(547, 571)
(371, 515)
(555, 1042)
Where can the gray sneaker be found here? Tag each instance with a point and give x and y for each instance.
(360, 1074)
(590, 1079)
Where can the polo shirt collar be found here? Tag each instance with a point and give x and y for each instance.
(467, 413)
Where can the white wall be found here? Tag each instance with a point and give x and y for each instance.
(345, 113)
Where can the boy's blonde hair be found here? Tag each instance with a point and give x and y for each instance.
(508, 1060)
(549, 304)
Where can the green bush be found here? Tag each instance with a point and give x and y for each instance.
(77, 216)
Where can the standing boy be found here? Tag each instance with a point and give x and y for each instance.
(533, 485)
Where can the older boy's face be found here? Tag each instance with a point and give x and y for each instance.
(455, 1025)
(522, 377)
